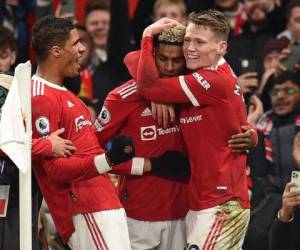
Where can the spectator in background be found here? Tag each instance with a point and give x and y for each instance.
(235, 13)
(174, 9)
(272, 162)
(111, 73)
(8, 50)
(293, 21)
(97, 23)
(285, 229)
(271, 55)
(244, 50)
(149, 11)
(86, 72)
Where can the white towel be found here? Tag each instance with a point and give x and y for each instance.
(15, 141)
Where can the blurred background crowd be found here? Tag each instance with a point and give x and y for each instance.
(263, 50)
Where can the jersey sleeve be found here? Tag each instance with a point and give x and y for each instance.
(109, 123)
(111, 118)
(45, 116)
(199, 88)
(71, 169)
(41, 148)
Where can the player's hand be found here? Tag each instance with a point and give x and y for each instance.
(163, 114)
(121, 149)
(160, 25)
(60, 146)
(289, 201)
(296, 149)
(240, 143)
(248, 81)
(256, 110)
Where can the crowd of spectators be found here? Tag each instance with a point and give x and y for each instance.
(264, 36)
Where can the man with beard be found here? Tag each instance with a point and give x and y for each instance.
(244, 50)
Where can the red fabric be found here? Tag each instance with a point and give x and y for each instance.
(218, 174)
(132, 5)
(86, 88)
(241, 20)
(30, 20)
(80, 11)
(125, 112)
(2, 206)
(55, 107)
(55, 4)
(41, 148)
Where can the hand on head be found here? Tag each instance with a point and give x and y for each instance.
(160, 25)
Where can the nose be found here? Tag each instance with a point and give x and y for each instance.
(81, 47)
(169, 66)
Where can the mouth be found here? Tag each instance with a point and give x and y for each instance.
(281, 105)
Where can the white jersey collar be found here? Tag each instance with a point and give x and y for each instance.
(219, 63)
(50, 84)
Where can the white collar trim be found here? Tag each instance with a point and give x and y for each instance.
(50, 84)
(220, 62)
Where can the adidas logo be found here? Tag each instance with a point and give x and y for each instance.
(70, 104)
(146, 112)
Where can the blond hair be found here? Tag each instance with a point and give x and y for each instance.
(213, 19)
(172, 36)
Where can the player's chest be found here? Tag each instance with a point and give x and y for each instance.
(144, 128)
(74, 114)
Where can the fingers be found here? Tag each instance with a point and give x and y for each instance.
(171, 113)
(159, 114)
(153, 110)
(166, 118)
(70, 148)
(249, 75)
(58, 132)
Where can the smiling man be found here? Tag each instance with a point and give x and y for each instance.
(212, 109)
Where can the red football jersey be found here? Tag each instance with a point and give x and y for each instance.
(148, 197)
(212, 110)
(70, 185)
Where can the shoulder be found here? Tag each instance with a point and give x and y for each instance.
(127, 92)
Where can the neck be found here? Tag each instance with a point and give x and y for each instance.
(49, 73)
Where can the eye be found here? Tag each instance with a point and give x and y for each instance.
(161, 58)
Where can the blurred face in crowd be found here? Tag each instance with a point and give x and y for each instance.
(202, 47)
(172, 11)
(256, 11)
(169, 59)
(227, 4)
(294, 22)
(97, 25)
(70, 55)
(285, 98)
(86, 41)
(7, 59)
(271, 60)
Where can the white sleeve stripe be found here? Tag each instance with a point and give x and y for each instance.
(137, 166)
(188, 92)
(101, 164)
